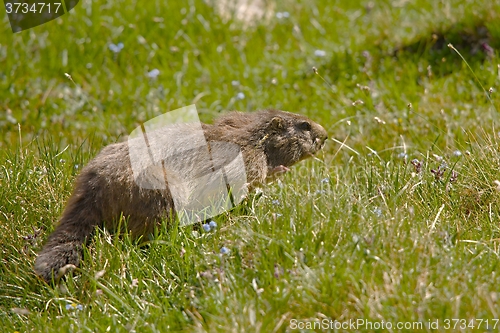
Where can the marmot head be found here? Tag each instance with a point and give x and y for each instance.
(290, 138)
(286, 138)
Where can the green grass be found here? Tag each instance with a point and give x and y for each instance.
(356, 234)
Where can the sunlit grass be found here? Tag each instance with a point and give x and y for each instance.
(397, 219)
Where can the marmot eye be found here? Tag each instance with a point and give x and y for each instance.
(305, 126)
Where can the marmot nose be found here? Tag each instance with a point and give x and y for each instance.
(320, 141)
(322, 135)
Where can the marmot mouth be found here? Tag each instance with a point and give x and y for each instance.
(318, 144)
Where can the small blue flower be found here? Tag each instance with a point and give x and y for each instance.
(378, 212)
(212, 224)
(74, 306)
(276, 202)
(153, 74)
(116, 47)
(325, 180)
(240, 95)
(402, 156)
(235, 83)
(457, 153)
(206, 227)
(281, 15)
(319, 53)
(279, 215)
(224, 250)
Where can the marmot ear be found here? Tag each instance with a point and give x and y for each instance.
(277, 123)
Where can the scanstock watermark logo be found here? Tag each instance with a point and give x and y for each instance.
(204, 178)
(26, 14)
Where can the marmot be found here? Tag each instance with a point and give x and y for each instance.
(270, 141)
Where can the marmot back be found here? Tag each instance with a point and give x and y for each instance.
(270, 141)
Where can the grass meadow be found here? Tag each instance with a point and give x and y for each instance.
(396, 221)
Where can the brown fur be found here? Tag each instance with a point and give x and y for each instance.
(269, 140)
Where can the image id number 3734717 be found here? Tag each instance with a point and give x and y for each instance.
(37, 7)
(454, 324)
(26, 14)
